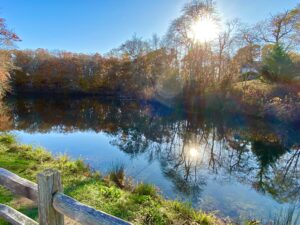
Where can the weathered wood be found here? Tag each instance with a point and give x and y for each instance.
(18, 185)
(52, 204)
(14, 217)
(49, 183)
(82, 213)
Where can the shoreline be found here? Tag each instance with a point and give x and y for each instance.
(257, 100)
(115, 194)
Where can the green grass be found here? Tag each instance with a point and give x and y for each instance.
(140, 204)
(145, 189)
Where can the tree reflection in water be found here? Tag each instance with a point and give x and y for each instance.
(188, 145)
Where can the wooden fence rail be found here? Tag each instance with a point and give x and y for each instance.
(14, 217)
(53, 205)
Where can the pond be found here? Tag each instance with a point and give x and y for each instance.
(233, 165)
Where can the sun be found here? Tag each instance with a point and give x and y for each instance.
(203, 30)
(193, 152)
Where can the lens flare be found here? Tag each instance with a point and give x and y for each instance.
(203, 29)
(193, 152)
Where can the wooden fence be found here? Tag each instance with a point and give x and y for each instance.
(52, 203)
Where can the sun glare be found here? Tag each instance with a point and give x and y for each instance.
(193, 152)
(204, 29)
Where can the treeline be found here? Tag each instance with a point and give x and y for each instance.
(175, 65)
(66, 72)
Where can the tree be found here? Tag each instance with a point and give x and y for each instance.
(281, 29)
(196, 60)
(134, 48)
(247, 61)
(7, 37)
(227, 40)
(278, 65)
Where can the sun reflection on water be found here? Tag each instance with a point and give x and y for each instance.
(194, 153)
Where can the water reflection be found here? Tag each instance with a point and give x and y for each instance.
(195, 151)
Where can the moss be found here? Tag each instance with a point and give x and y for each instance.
(141, 205)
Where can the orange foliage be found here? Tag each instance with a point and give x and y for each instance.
(65, 72)
(6, 38)
(5, 120)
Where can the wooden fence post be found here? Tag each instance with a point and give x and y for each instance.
(49, 182)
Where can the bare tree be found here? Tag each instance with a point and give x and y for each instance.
(282, 28)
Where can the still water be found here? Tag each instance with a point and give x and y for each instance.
(230, 164)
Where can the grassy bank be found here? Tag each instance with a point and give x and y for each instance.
(114, 194)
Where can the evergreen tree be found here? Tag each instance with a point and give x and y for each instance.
(278, 65)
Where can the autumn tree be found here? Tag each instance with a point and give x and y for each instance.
(227, 70)
(7, 37)
(196, 60)
(176, 64)
(281, 29)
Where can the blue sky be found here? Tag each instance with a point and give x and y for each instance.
(99, 25)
